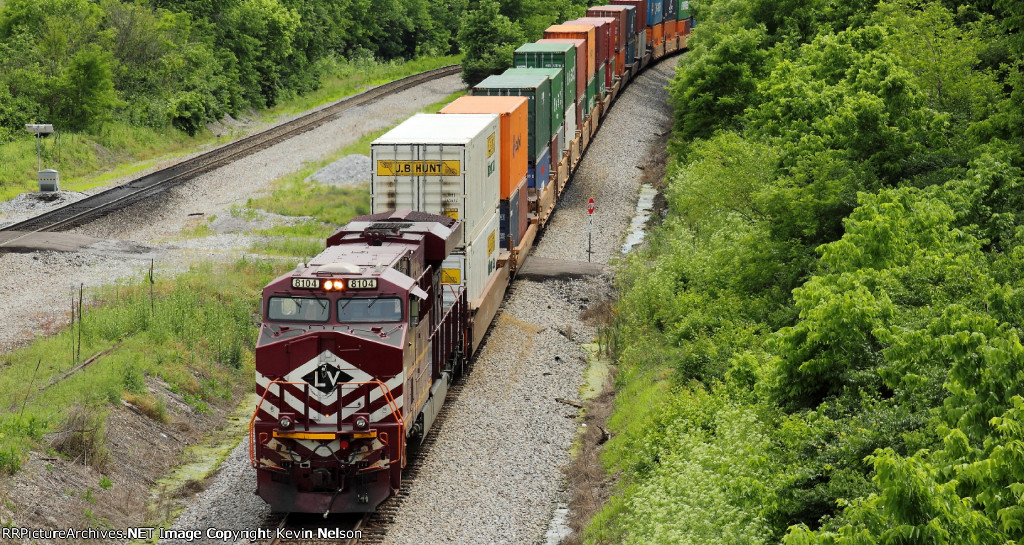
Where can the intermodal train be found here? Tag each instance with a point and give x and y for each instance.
(358, 347)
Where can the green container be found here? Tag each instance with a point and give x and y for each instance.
(592, 93)
(550, 55)
(556, 75)
(537, 90)
(599, 76)
(683, 9)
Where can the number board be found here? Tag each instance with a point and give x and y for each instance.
(362, 284)
(306, 283)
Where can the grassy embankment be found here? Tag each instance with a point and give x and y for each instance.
(89, 160)
(194, 332)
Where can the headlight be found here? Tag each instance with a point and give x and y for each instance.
(361, 422)
(286, 422)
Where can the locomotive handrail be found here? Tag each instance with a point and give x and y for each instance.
(395, 412)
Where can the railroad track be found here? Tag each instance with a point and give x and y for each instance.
(101, 204)
(368, 528)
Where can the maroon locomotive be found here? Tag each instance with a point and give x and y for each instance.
(354, 358)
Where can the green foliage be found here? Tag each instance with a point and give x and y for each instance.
(488, 40)
(839, 276)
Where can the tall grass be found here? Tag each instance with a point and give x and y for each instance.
(195, 333)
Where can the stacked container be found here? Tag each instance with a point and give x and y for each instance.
(514, 117)
(557, 77)
(560, 53)
(640, 24)
(623, 34)
(537, 90)
(471, 266)
(669, 12)
(605, 29)
(683, 14)
(586, 33)
(655, 28)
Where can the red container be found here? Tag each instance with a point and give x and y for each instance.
(524, 210)
(581, 64)
(587, 33)
(619, 14)
(641, 11)
(606, 29)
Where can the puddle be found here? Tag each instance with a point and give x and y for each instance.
(559, 528)
(644, 207)
(596, 373)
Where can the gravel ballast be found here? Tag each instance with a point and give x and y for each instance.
(495, 472)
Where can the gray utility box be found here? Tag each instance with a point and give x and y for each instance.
(49, 180)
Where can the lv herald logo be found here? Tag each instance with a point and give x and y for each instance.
(326, 378)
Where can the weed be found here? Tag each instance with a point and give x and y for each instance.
(10, 461)
(87, 496)
(105, 482)
(152, 407)
(81, 436)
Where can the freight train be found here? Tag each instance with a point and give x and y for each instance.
(358, 347)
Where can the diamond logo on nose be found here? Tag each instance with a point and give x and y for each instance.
(326, 378)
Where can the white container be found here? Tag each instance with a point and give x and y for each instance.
(472, 265)
(570, 126)
(442, 164)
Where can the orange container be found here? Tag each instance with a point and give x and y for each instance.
(513, 114)
(683, 27)
(620, 62)
(578, 32)
(670, 30)
(659, 33)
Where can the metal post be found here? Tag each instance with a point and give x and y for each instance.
(39, 155)
(590, 239)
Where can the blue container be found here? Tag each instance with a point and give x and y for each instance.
(508, 220)
(630, 52)
(540, 170)
(654, 12)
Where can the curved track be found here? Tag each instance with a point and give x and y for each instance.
(125, 195)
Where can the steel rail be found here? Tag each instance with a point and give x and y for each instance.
(122, 196)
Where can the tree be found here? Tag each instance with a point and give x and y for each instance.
(488, 40)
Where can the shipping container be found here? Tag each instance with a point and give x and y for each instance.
(579, 60)
(606, 29)
(683, 9)
(557, 77)
(514, 216)
(537, 173)
(577, 32)
(654, 12)
(630, 53)
(472, 265)
(621, 28)
(537, 90)
(670, 29)
(684, 27)
(552, 54)
(641, 12)
(514, 114)
(656, 35)
(670, 10)
(441, 164)
(571, 126)
(558, 148)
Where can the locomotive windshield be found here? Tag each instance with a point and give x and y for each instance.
(299, 309)
(375, 309)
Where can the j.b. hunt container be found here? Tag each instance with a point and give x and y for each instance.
(472, 265)
(442, 164)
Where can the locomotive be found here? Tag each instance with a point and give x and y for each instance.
(354, 359)
(358, 347)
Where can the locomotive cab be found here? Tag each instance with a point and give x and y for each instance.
(346, 370)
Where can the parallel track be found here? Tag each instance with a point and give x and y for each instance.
(101, 204)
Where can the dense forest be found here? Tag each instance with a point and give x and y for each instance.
(822, 343)
(183, 63)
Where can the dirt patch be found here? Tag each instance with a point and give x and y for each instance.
(62, 488)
